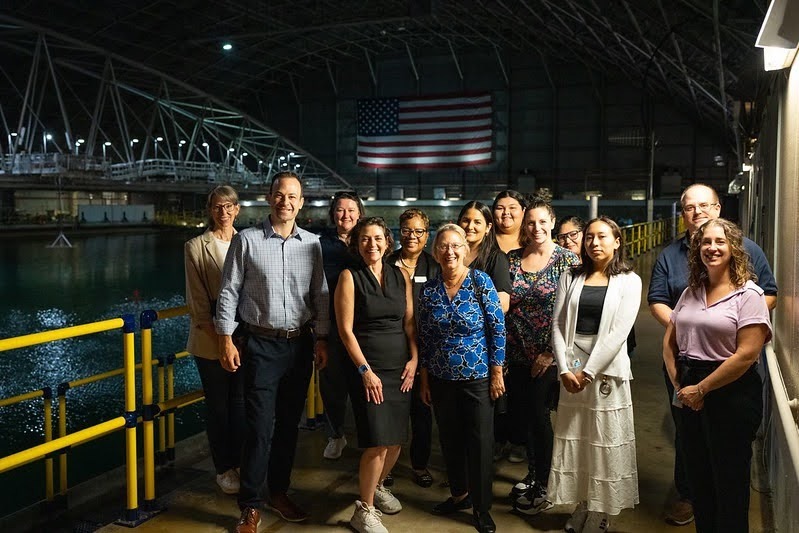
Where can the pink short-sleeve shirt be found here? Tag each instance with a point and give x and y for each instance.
(709, 333)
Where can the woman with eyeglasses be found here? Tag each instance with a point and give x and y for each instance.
(532, 375)
(594, 464)
(346, 209)
(569, 233)
(508, 208)
(462, 349)
(420, 267)
(374, 313)
(204, 257)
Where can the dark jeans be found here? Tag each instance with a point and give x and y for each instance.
(333, 386)
(539, 396)
(515, 420)
(224, 412)
(465, 417)
(717, 446)
(680, 476)
(276, 377)
(421, 429)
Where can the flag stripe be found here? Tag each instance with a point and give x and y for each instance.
(425, 132)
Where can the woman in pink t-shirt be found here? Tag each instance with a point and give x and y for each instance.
(711, 348)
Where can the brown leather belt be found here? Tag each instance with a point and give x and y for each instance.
(278, 333)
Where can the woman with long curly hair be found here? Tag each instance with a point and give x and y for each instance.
(710, 348)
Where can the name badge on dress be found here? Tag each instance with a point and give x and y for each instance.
(419, 279)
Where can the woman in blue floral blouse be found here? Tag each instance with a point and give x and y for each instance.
(535, 271)
(462, 347)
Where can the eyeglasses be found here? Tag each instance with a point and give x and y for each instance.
(703, 206)
(418, 232)
(455, 246)
(227, 208)
(572, 236)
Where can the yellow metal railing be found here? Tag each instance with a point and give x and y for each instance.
(163, 410)
(642, 237)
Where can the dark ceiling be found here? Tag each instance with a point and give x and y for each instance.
(699, 53)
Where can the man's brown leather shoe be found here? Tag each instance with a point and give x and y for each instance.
(287, 509)
(248, 523)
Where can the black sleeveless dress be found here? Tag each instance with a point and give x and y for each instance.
(379, 329)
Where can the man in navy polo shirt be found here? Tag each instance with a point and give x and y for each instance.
(700, 203)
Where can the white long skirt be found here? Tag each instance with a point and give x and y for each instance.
(593, 457)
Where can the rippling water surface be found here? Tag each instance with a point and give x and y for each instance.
(44, 288)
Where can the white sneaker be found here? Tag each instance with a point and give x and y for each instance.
(517, 454)
(228, 482)
(366, 519)
(534, 501)
(386, 502)
(335, 447)
(576, 521)
(596, 523)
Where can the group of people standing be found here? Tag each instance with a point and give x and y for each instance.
(488, 334)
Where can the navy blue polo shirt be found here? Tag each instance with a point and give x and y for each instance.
(670, 274)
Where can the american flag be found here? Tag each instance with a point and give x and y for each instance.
(430, 132)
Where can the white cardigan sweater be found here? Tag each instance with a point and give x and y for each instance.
(609, 355)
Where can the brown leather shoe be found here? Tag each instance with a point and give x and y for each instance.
(249, 521)
(287, 509)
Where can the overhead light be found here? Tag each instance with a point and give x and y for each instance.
(282, 158)
(205, 145)
(80, 141)
(297, 166)
(227, 46)
(159, 139)
(13, 133)
(107, 143)
(245, 154)
(411, 198)
(134, 141)
(182, 142)
(48, 137)
(231, 149)
(291, 154)
(779, 34)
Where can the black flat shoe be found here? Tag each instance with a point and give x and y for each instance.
(424, 479)
(451, 506)
(484, 523)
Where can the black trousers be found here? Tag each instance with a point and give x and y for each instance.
(717, 446)
(333, 386)
(680, 475)
(421, 430)
(465, 417)
(538, 397)
(224, 408)
(276, 377)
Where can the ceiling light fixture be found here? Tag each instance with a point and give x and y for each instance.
(227, 47)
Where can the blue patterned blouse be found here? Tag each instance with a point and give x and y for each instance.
(460, 339)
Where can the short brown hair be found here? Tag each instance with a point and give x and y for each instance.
(355, 234)
(415, 213)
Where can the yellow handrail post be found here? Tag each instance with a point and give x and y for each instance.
(48, 436)
(129, 352)
(149, 410)
(62, 432)
(161, 455)
(310, 397)
(320, 406)
(170, 417)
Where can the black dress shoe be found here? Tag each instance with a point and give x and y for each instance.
(451, 506)
(484, 523)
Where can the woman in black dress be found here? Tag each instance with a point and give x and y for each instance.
(374, 310)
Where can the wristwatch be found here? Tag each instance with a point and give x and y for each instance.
(363, 369)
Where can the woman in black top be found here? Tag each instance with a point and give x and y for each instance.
(484, 252)
(420, 267)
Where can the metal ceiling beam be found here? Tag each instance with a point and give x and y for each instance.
(679, 56)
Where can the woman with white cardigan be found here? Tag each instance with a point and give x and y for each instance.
(593, 460)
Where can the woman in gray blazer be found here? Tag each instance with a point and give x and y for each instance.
(224, 397)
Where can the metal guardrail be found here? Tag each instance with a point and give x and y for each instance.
(642, 237)
(163, 411)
